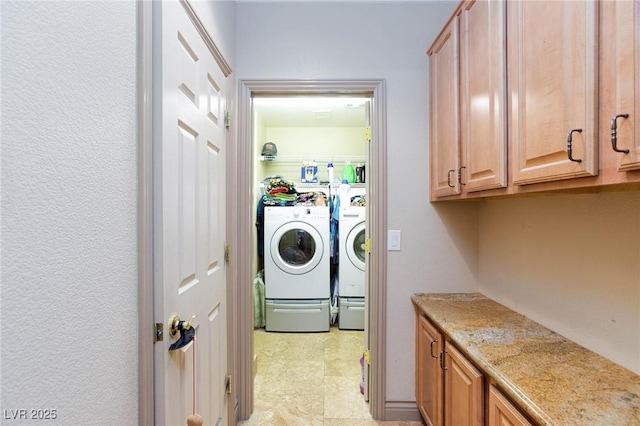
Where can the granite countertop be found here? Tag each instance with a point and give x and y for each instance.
(552, 379)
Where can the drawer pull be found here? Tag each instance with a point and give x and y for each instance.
(442, 354)
(449, 178)
(569, 145)
(460, 175)
(614, 133)
(432, 355)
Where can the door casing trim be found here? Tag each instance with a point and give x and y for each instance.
(377, 223)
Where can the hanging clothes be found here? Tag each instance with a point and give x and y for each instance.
(334, 237)
(259, 308)
(260, 225)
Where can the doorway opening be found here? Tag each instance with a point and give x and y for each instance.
(248, 155)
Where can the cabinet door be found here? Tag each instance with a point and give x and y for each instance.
(429, 375)
(552, 68)
(625, 23)
(502, 412)
(482, 90)
(464, 392)
(444, 112)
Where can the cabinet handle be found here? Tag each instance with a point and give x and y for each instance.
(432, 355)
(449, 178)
(569, 148)
(460, 175)
(614, 133)
(442, 354)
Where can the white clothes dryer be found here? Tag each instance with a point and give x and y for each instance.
(296, 275)
(351, 269)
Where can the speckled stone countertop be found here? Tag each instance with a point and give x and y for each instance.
(552, 379)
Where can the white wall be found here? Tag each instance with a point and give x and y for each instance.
(69, 268)
(570, 262)
(323, 40)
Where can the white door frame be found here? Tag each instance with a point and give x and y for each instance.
(243, 181)
(146, 321)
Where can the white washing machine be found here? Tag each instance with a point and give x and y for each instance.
(351, 268)
(296, 268)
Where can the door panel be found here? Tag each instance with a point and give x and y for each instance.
(429, 374)
(482, 98)
(189, 223)
(627, 44)
(463, 390)
(444, 124)
(553, 76)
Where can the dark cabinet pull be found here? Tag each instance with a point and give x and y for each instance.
(569, 147)
(442, 355)
(432, 355)
(449, 178)
(460, 175)
(614, 133)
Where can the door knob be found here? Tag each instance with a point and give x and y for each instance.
(176, 324)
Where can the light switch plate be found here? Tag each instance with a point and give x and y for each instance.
(394, 240)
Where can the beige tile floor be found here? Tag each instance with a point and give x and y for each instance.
(310, 379)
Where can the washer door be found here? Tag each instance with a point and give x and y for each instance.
(355, 246)
(296, 248)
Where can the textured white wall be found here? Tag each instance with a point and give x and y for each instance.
(331, 40)
(69, 277)
(572, 263)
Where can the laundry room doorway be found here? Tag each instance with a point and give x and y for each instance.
(367, 97)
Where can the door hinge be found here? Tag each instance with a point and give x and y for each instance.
(228, 384)
(227, 253)
(367, 356)
(227, 119)
(158, 335)
(367, 245)
(367, 133)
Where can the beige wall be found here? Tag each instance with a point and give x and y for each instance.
(570, 262)
(343, 40)
(320, 144)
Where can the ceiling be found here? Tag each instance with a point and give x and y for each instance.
(311, 111)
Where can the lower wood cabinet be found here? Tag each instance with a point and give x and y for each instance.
(502, 412)
(429, 374)
(449, 389)
(463, 390)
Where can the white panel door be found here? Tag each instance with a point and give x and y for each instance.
(189, 222)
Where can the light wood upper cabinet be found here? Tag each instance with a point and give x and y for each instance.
(444, 112)
(552, 67)
(467, 95)
(464, 391)
(524, 94)
(502, 412)
(429, 375)
(482, 95)
(620, 85)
